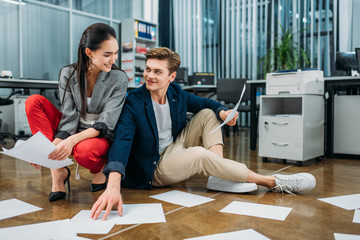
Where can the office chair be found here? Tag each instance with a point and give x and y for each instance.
(4, 135)
(229, 91)
(346, 61)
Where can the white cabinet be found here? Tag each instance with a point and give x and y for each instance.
(137, 37)
(346, 124)
(21, 123)
(291, 127)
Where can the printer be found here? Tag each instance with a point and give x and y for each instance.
(295, 82)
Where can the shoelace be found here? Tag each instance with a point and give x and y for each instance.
(283, 188)
(287, 185)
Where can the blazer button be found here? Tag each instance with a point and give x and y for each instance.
(154, 162)
(149, 182)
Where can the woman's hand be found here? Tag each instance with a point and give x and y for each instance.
(63, 149)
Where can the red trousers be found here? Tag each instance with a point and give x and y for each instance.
(43, 116)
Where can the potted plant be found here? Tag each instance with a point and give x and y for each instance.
(285, 55)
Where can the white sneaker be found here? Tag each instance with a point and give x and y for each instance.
(300, 182)
(218, 184)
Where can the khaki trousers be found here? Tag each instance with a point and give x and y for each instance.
(189, 154)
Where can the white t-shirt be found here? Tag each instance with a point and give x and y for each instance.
(90, 118)
(163, 123)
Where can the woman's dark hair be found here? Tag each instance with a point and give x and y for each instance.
(91, 38)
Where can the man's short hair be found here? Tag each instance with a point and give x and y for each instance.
(165, 53)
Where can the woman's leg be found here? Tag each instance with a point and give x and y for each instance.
(43, 116)
(92, 154)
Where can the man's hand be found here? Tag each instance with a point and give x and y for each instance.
(110, 197)
(223, 115)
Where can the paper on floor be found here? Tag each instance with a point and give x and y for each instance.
(257, 210)
(243, 234)
(132, 214)
(69, 237)
(82, 222)
(348, 202)
(142, 213)
(342, 236)
(14, 207)
(356, 218)
(39, 231)
(36, 150)
(182, 198)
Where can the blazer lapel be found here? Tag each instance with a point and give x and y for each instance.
(98, 92)
(173, 104)
(150, 112)
(76, 94)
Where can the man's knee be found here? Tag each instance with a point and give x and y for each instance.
(201, 155)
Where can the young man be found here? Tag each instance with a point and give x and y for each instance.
(153, 145)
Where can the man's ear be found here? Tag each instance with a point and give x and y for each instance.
(88, 52)
(172, 76)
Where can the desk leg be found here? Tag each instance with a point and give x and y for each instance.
(253, 123)
(329, 151)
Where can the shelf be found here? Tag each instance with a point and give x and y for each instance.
(145, 40)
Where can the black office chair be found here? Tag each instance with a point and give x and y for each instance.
(229, 91)
(4, 135)
(345, 62)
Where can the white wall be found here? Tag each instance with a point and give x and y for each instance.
(349, 29)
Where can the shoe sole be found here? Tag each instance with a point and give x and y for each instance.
(223, 188)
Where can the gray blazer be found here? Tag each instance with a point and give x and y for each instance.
(107, 100)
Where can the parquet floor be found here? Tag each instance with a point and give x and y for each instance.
(309, 219)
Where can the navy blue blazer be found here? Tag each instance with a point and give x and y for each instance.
(135, 151)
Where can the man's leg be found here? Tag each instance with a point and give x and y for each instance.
(190, 154)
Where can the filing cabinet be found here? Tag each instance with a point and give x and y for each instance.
(291, 127)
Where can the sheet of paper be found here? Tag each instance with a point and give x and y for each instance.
(69, 237)
(142, 213)
(36, 150)
(233, 112)
(342, 236)
(82, 222)
(243, 234)
(348, 202)
(257, 210)
(39, 231)
(14, 207)
(132, 214)
(182, 198)
(356, 218)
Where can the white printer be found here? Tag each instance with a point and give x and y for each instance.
(295, 82)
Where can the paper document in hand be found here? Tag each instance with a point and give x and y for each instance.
(233, 112)
(36, 150)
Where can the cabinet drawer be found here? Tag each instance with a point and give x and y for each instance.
(287, 148)
(289, 126)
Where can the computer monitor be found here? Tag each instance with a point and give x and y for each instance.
(203, 78)
(357, 52)
(182, 76)
(346, 61)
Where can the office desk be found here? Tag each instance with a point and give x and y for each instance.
(333, 84)
(254, 85)
(28, 83)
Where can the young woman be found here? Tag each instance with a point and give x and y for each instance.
(92, 93)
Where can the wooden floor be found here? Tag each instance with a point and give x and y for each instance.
(309, 219)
